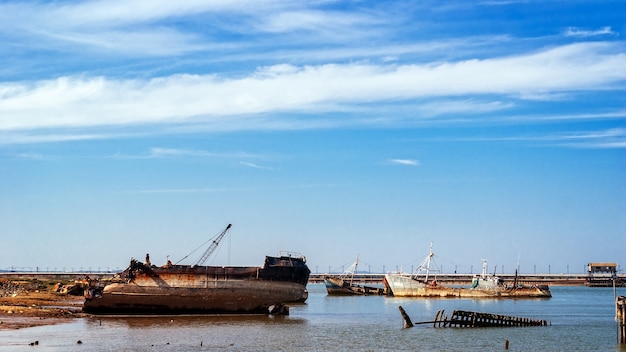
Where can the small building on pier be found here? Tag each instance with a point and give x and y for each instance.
(601, 274)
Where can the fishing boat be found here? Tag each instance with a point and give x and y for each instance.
(144, 288)
(494, 286)
(483, 286)
(344, 283)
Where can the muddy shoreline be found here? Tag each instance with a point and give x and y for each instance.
(29, 304)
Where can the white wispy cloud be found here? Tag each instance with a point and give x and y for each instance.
(113, 26)
(407, 162)
(153, 42)
(460, 107)
(610, 115)
(176, 99)
(35, 136)
(254, 166)
(577, 32)
(159, 152)
(145, 28)
(614, 138)
(329, 24)
(228, 189)
(170, 152)
(178, 190)
(594, 139)
(30, 156)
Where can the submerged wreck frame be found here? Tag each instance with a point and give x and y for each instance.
(469, 319)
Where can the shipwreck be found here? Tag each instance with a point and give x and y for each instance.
(483, 286)
(144, 288)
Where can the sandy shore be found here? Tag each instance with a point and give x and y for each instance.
(36, 308)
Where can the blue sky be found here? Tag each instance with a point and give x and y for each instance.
(494, 129)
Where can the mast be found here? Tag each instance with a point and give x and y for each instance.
(516, 270)
(430, 255)
(484, 273)
(356, 263)
(425, 265)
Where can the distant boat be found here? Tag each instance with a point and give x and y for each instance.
(344, 284)
(196, 289)
(483, 286)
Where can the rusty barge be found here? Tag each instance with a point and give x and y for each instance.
(196, 289)
(185, 289)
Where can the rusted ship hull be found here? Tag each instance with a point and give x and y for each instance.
(181, 289)
(232, 296)
(336, 286)
(405, 286)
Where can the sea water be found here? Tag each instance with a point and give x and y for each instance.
(580, 318)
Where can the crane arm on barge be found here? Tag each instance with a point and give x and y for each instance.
(213, 245)
(210, 250)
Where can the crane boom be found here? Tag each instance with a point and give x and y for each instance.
(213, 245)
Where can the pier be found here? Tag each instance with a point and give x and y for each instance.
(466, 279)
(361, 278)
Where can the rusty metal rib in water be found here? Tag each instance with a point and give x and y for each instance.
(468, 319)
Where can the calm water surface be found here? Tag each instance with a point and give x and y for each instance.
(582, 320)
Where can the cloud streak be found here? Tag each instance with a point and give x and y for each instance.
(152, 28)
(576, 32)
(164, 153)
(178, 99)
(613, 138)
(406, 162)
(254, 166)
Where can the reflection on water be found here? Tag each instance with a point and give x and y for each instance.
(188, 321)
(582, 320)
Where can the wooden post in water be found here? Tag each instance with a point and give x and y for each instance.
(405, 318)
(620, 316)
